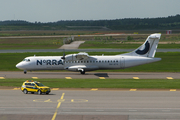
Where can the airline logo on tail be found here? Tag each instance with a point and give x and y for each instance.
(148, 49)
(145, 50)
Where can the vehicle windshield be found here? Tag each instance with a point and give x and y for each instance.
(39, 84)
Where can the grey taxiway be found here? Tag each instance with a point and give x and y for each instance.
(90, 105)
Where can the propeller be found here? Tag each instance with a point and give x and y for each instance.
(63, 57)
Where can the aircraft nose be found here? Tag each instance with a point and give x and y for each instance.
(19, 65)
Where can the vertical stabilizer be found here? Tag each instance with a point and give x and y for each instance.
(148, 48)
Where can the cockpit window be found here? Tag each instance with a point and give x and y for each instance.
(27, 60)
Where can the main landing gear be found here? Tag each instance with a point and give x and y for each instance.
(82, 72)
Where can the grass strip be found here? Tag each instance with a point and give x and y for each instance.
(98, 83)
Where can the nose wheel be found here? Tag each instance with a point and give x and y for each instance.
(25, 71)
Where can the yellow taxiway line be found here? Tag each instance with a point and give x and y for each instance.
(170, 78)
(58, 106)
(94, 89)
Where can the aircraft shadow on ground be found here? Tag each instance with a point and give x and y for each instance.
(101, 74)
(41, 94)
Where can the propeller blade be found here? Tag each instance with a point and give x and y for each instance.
(63, 57)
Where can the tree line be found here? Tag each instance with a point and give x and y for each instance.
(161, 23)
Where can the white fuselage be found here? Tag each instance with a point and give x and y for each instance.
(92, 63)
(83, 62)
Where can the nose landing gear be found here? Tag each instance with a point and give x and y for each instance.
(25, 71)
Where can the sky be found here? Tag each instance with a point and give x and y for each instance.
(55, 10)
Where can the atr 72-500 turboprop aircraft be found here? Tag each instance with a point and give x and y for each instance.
(82, 62)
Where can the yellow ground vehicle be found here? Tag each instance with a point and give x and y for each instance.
(31, 86)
